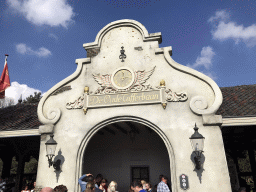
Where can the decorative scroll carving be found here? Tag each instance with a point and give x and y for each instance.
(77, 104)
(198, 104)
(173, 96)
(62, 89)
(52, 116)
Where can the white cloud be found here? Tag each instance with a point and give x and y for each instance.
(44, 12)
(24, 49)
(16, 89)
(219, 15)
(210, 74)
(230, 30)
(205, 61)
(205, 58)
(53, 36)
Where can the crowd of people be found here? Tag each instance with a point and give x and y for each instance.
(90, 184)
(8, 184)
(98, 184)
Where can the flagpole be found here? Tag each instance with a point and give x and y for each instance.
(6, 55)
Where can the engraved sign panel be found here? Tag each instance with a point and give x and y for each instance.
(127, 98)
(184, 182)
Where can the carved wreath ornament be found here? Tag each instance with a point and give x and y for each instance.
(125, 87)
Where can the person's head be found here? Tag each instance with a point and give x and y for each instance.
(90, 185)
(103, 182)
(242, 189)
(34, 184)
(25, 187)
(47, 189)
(60, 188)
(98, 179)
(160, 177)
(143, 182)
(164, 179)
(148, 186)
(89, 178)
(112, 186)
(136, 186)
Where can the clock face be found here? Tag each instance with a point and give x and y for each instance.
(123, 78)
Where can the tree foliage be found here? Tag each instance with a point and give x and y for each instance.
(6, 102)
(30, 167)
(33, 99)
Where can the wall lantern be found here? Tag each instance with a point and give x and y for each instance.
(197, 142)
(51, 145)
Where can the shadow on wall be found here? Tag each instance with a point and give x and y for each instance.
(59, 159)
(198, 171)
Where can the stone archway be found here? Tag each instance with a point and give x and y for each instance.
(84, 144)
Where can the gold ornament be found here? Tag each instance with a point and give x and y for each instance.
(86, 89)
(162, 83)
(164, 105)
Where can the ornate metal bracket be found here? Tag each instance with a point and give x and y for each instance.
(122, 56)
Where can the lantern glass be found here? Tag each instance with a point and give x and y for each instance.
(197, 144)
(50, 149)
(51, 145)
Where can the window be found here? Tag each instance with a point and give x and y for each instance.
(140, 173)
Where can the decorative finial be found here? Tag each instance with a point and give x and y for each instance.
(86, 89)
(164, 105)
(162, 83)
(122, 56)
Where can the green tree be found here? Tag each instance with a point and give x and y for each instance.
(31, 166)
(33, 99)
(14, 166)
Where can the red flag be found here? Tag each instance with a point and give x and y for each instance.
(5, 79)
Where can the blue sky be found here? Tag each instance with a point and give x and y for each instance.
(44, 37)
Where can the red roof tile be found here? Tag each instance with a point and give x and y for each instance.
(237, 101)
(19, 117)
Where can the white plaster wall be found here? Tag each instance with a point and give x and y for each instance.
(113, 156)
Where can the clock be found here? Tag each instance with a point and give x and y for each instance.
(122, 78)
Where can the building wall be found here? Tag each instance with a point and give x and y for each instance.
(113, 156)
(73, 129)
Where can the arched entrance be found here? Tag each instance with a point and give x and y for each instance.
(126, 148)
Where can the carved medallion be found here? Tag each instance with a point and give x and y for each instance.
(122, 78)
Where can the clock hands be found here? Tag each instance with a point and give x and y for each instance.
(123, 77)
